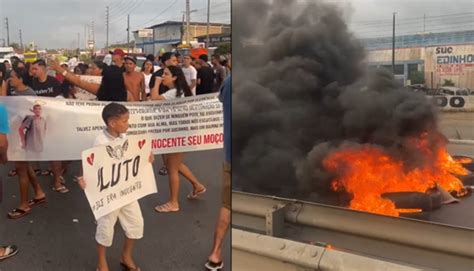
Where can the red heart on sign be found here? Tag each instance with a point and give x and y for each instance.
(90, 159)
(141, 143)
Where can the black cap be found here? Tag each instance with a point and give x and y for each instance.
(132, 58)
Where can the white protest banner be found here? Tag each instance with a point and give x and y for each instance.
(64, 128)
(118, 173)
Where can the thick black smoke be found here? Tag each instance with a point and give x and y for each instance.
(300, 91)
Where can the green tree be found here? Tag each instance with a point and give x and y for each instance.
(223, 49)
(15, 45)
(448, 83)
(84, 58)
(417, 77)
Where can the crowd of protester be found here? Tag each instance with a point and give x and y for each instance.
(164, 77)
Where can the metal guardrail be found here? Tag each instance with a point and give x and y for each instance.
(281, 252)
(443, 244)
(461, 141)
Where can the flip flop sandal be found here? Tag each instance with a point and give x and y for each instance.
(46, 173)
(17, 213)
(195, 194)
(34, 202)
(62, 189)
(12, 173)
(163, 171)
(211, 266)
(63, 181)
(9, 251)
(128, 268)
(166, 208)
(37, 172)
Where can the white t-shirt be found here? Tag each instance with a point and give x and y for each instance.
(190, 73)
(147, 82)
(105, 138)
(171, 94)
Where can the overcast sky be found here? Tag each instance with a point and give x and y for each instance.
(55, 23)
(373, 18)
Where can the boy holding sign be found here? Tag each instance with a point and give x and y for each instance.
(116, 119)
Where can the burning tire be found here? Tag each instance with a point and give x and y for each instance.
(428, 201)
(469, 165)
(467, 180)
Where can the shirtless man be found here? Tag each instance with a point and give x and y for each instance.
(134, 81)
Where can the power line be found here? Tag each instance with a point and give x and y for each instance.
(127, 10)
(117, 6)
(379, 28)
(457, 26)
(408, 33)
(157, 16)
(408, 19)
(469, 17)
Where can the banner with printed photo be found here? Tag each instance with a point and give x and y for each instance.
(53, 129)
(118, 173)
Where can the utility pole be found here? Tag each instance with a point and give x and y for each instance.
(21, 40)
(424, 23)
(128, 33)
(107, 27)
(78, 43)
(393, 45)
(92, 37)
(8, 31)
(85, 35)
(183, 28)
(187, 22)
(208, 22)
(92, 33)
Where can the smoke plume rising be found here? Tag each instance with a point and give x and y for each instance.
(301, 90)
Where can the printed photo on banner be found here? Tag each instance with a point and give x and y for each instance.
(59, 129)
(118, 173)
(30, 127)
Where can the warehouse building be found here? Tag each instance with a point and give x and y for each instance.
(167, 35)
(437, 56)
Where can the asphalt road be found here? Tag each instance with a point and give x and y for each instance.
(457, 125)
(50, 240)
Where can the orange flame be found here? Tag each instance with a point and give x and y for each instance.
(367, 172)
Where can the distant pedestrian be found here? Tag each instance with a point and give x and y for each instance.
(205, 76)
(118, 60)
(219, 71)
(156, 88)
(190, 73)
(134, 81)
(147, 70)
